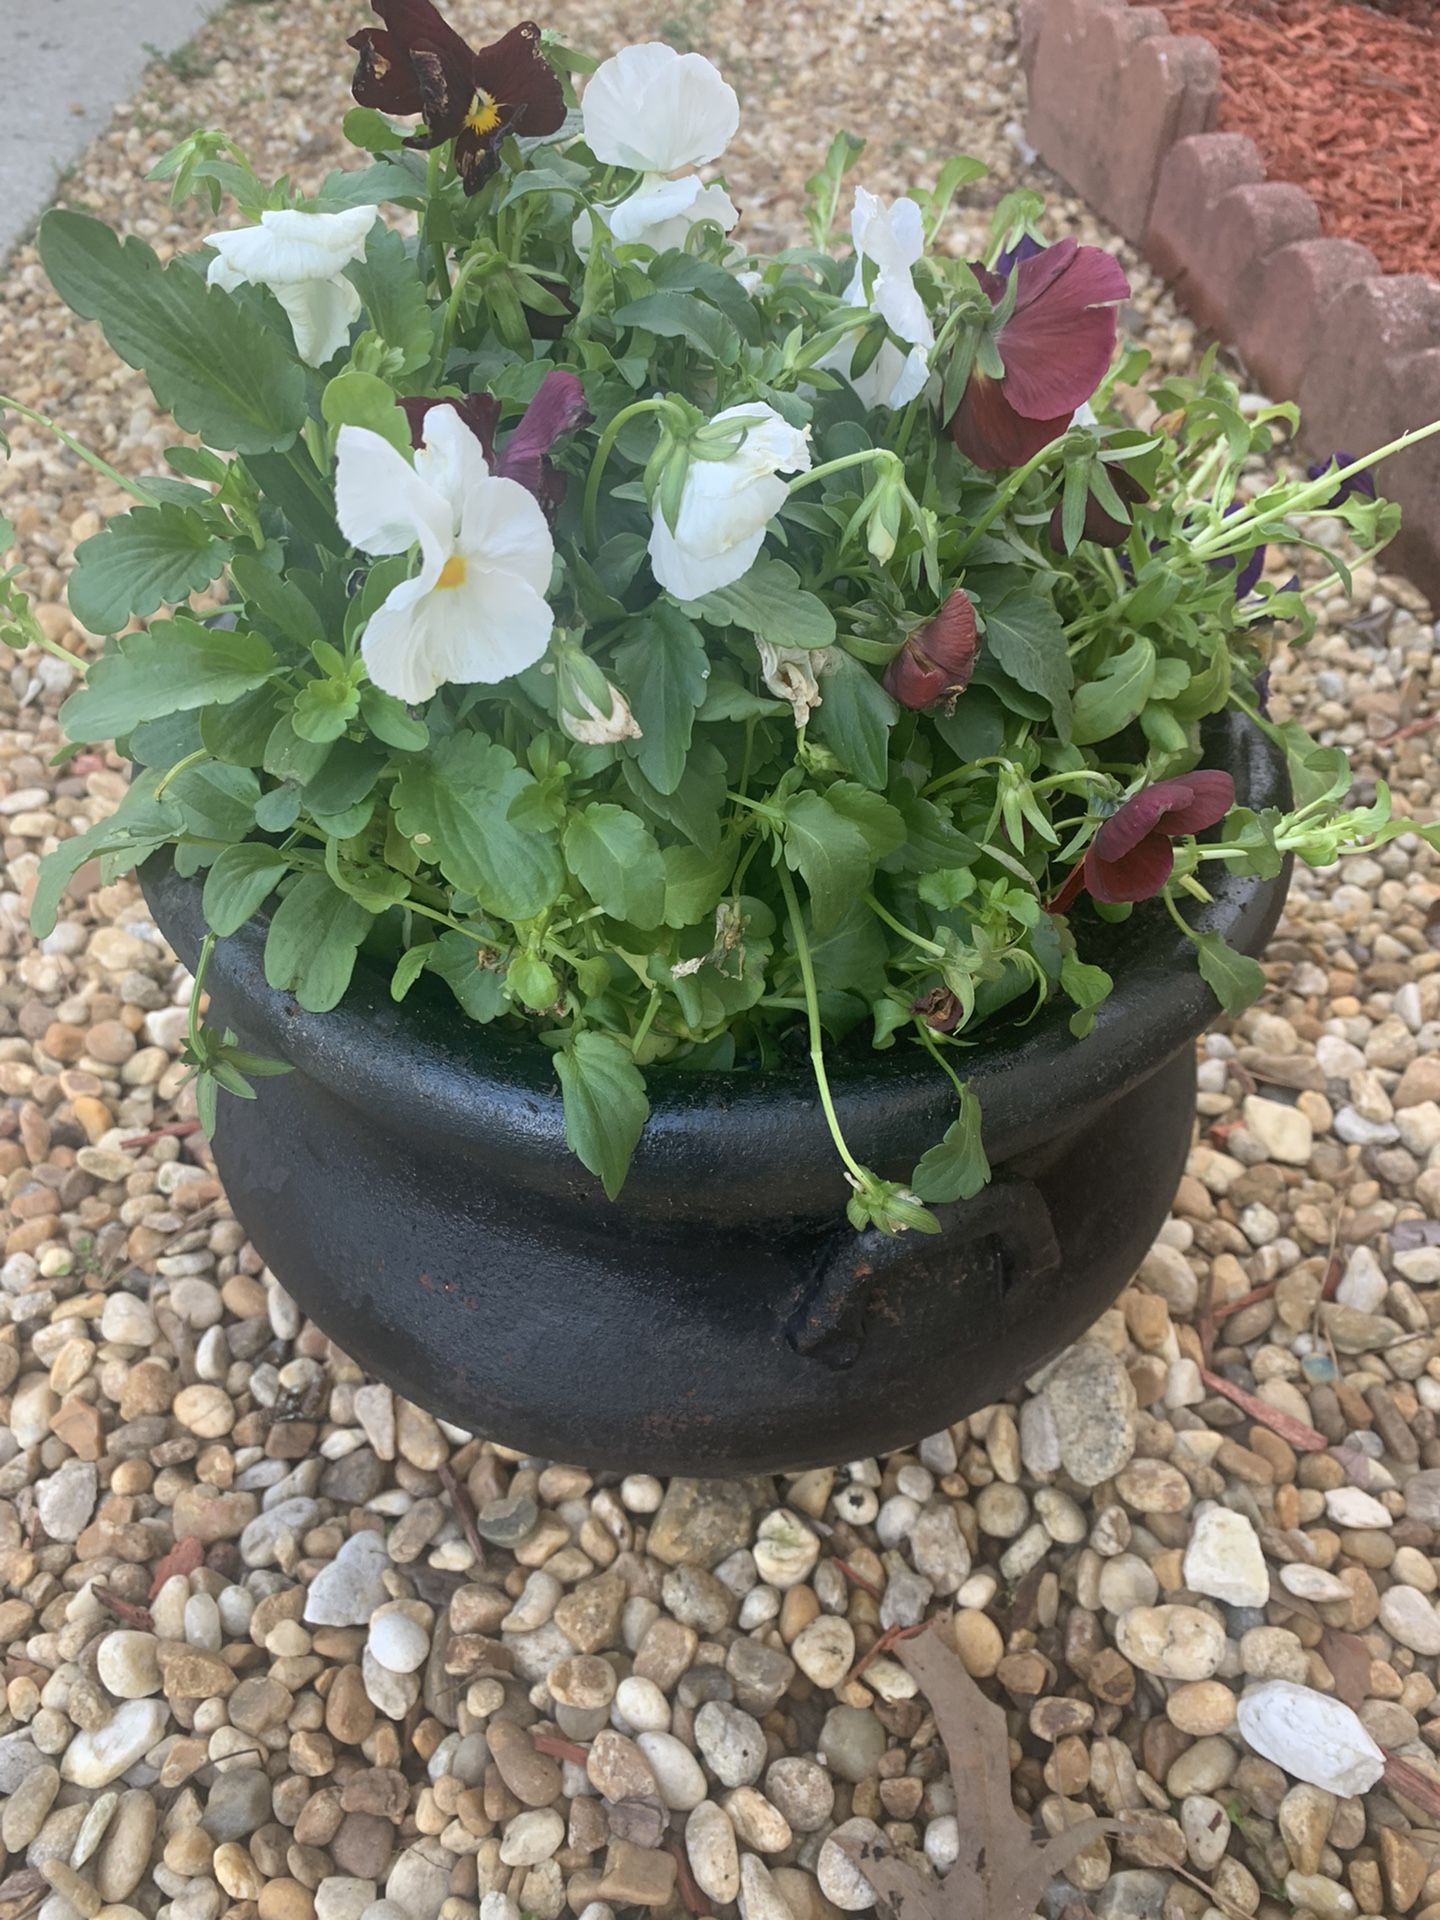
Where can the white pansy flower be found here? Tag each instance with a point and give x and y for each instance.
(657, 111)
(892, 240)
(727, 505)
(793, 674)
(476, 611)
(301, 258)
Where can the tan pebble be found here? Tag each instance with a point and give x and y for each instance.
(978, 1642)
(1200, 1707)
(286, 1899)
(236, 1871)
(205, 1410)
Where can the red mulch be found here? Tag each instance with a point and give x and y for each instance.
(1342, 99)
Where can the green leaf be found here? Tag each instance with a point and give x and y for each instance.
(1234, 978)
(956, 1167)
(139, 826)
(393, 293)
(314, 937)
(695, 883)
(364, 127)
(768, 600)
(1026, 636)
(408, 969)
(662, 670)
(239, 883)
(324, 709)
(605, 1105)
(833, 840)
(276, 601)
(174, 666)
(480, 990)
(681, 316)
(694, 808)
(1115, 697)
(615, 857)
(531, 980)
(932, 842)
(454, 805)
(142, 560)
(217, 801)
(390, 723)
(357, 399)
(854, 719)
(221, 373)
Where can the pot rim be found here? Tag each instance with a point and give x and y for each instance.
(440, 1077)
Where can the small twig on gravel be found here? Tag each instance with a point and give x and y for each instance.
(177, 1130)
(1285, 1424)
(559, 1749)
(1401, 1777)
(464, 1511)
(125, 1610)
(1257, 1294)
(1207, 1316)
(694, 1901)
(858, 1579)
(887, 1640)
(1410, 732)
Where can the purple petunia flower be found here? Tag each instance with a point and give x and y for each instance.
(1361, 483)
(557, 408)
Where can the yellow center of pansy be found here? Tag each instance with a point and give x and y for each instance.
(484, 116)
(452, 574)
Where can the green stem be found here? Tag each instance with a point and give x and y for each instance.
(197, 990)
(867, 456)
(647, 1020)
(433, 163)
(1220, 538)
(469, 267)
(812, 1012)
(1003, 498)
(928, 1040)
(190, 760)
(132, 487)
(604, 447)
(932, 947)
(1178, 917)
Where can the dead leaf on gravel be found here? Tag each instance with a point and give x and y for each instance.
(1002, 1872)
(184, 1557)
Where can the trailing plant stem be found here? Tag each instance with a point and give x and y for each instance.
(812, 1010)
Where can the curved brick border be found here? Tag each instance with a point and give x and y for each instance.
(1125, 111)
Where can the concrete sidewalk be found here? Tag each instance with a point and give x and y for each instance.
(67, 64)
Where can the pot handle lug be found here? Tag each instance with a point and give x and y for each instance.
(829, 1324)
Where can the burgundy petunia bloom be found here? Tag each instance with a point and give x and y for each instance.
(557, 409)
(1101, 526)
(1055, 346)
(1132, 857)
(417, 63)
(937, 660)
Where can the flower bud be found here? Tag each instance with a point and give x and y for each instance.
(937, 660)
(589, 708)
(942, 1010)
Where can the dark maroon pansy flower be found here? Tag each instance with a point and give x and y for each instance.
(1056, 346)
(1361, 483)
(1132, 856)
(937, 660)
(417, 63)
(557, 408)
(1101, 526)
(940, 1009)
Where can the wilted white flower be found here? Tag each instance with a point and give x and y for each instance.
(301, 258)
(476, 611)
(590, 708)
(658, 111)
(793, 674)
(727, 505)
(892, 240)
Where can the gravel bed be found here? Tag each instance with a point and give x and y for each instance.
(275, 1643)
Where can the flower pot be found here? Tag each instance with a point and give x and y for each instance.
(410, 1184)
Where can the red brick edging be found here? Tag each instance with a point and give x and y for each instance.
(1125, 111)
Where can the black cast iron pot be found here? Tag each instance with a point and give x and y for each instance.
(410, 1185)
